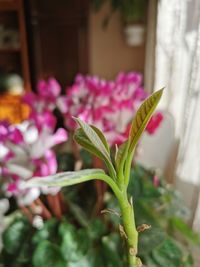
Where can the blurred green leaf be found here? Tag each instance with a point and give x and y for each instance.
(15, 235)
(47, 232)
(185, 230)
(72, 247)
(135, 188)
(97, 229)
(111, 252)
(78, 213)
(149, 261)
(48, 254)
(150, 239)
(168, 254)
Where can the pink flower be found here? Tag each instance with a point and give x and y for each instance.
(10, 132)
(43, 103)
(110, 105)
(154, 123)
(28, 152)
(48, 90)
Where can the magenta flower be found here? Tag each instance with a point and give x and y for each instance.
(110, 105)
(43, 103)
(154, 123)
(28, 154)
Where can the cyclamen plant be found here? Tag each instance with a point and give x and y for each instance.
(43, 103)
(93, 140)
(109, 105)
(25, 152)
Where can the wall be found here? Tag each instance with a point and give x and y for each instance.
(108, 52)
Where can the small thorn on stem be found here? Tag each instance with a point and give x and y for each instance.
(143, 227)
(122, 232)
(111, 211)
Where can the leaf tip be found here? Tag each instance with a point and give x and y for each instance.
(160, 92)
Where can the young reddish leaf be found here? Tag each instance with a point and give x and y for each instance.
(142, 117)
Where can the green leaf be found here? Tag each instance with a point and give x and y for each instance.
(94, 138)
(142, 117)
(149, 261)
(168, 254)
(16, 234)
(101, 136)
(70, 245)
(110, 250)
(150, 239)
(97, 229)
(81, 138)
(185, 230)
(66, 178)
(71, 178)
(48, 254)
(47, 232)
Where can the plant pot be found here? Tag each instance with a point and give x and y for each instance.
(134, 34)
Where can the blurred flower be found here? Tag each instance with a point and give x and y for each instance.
(110, 105)
(43, 103)
(154, 123)
(27, 156)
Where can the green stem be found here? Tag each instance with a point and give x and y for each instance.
(130, 230)
(128, 169)
(128, 220)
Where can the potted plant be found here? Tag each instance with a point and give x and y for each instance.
(133, 17)
(59, 230)
(118, 171)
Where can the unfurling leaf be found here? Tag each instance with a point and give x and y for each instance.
(81, 138)
(142, 117)
(94, 138)
(102, 137)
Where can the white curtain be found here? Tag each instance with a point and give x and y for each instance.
(178, 69)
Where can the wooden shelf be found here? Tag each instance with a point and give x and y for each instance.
(14, 60)
(10, 50)
(8, 5)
